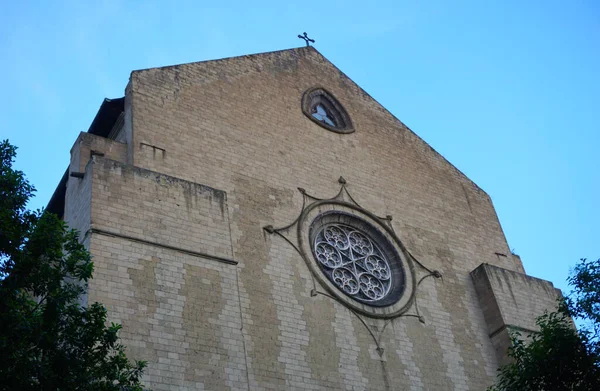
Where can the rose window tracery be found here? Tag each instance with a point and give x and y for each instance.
(354, 256)
(353, 262)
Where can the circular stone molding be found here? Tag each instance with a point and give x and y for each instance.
(359, 260)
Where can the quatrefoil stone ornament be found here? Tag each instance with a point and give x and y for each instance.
(353, 262)
(356, 257)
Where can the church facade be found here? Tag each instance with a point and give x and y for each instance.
(262, 223)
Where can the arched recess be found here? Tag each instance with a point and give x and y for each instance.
(322, 108)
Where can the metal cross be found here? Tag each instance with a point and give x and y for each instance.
(305, 38)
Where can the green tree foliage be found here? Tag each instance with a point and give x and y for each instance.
(48, 340)
(584, 302)
(559, 357)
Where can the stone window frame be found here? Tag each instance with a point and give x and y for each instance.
(382, 245)
(396, 303)
(320, 96)
(339, 209)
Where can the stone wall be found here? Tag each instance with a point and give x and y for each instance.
(163, 267)
(213, 301)
(511, 302)
(88, 145)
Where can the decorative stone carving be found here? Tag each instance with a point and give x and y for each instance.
(354, 255)
(353, 262)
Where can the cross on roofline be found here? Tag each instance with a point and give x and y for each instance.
(306, 39)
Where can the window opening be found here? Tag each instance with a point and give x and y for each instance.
(321, 107)
(353, 262)
(321, 114)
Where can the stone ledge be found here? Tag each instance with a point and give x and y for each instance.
(511, 301)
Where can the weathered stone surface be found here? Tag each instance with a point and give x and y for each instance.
(212, 300)
(511, 301)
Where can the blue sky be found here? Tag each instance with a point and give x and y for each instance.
(507, 91)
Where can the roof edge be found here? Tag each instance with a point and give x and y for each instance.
(295, 49)
(315, 50)
(101, 125)
(404, 125)
(107, 115)
(56, 204)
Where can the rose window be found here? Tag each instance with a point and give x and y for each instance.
(352, 260)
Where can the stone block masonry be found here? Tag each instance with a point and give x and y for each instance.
(511, 302)
(212, 301)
